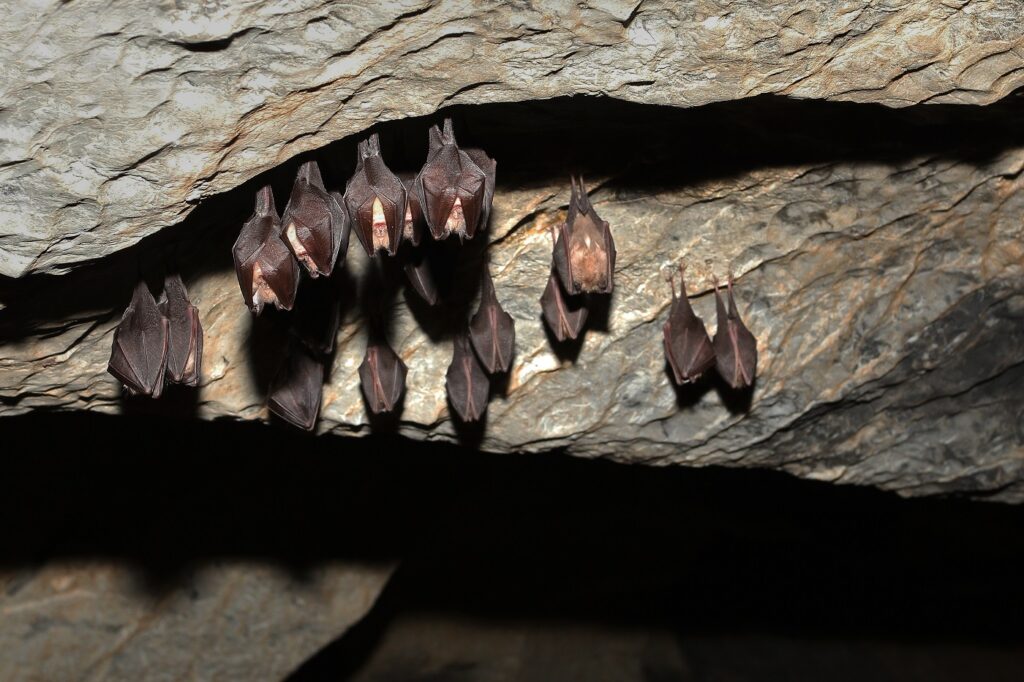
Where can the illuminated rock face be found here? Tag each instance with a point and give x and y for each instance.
(118, 124)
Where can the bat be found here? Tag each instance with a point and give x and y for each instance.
(735, 346)
(565, 315)
(466, 382)
(376, 200)
(421, 277)
(184, 336)
(412, 228)
(138, 357)
(296, 390)
(382, 376)
(584, 254)
(455, 187)
(687, 346)
(267, 271)
(316, 227)
(492, 331)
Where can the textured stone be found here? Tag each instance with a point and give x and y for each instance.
(76, 620)
(881, 274)
(119, 118)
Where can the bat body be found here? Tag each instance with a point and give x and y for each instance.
(687, 347)
(412, 228)
(315, 225)
(138, 357)
(382, 376)
(492, 331)
(565, 315)
(185, 334)
(584, 254)
(455, 187)
(296, 390)
(466, 382)
(376, 201)
(735, 346)
(267, 271)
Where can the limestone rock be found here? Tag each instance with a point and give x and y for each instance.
(118, 119)
(881, 274)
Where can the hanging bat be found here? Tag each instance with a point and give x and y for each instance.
(735, 346)
(315, 225)
(382, 376)
(584, 254)
(185, 334)
(267, 271)
(376, 201)
(565, 315)
(466, 382)
(138, 357)
(492, 331)
(687, 346)
(412, 228)
(296, 390)
(455, 187)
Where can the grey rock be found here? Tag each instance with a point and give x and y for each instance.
(119, 118)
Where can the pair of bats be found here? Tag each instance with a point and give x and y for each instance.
(485, 348)
(157, 343)
(583, 263)
(691, 353)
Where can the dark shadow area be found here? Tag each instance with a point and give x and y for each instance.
(544, 539)
(643, 148)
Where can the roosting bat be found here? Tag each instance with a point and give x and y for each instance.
(466, 382)
(267, 270)
(412, 228)
(185, 334)
(139, 353)
(315, 224)
(455, 187)
(564, 314)
(382, 375)
(295, 394)
(735, 346)
(584, 253)
(687, 346)
(492, 330)
(376, 200)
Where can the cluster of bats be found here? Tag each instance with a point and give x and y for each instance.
(451, 195)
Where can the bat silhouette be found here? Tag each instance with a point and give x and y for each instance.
(687, 346)
(376, 200)
(492, 331)
(466, 382)
(139, 353)
(382, 375)
(735, 346)
(565, 315)
(584, 253)
(455, 187)
(185, 334)
(418, 271)
(316, 227)
(296, 390)
(267, 271)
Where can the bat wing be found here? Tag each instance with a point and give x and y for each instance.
(609, 246)
(562, 259)
(382, 376)
(295, 394)
(438, 193)
(267, 272)
(138, 357)
(412, 227)
(489, 166)
(687, 345)
(492, 331)
(565, 315)
(466, 382)
(376, 201)
(185, 334)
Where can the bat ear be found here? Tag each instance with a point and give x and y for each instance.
(265, 201)
(448, 136)
(433, 138)
(584, 199)
(373, 145)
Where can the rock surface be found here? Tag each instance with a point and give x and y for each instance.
(881, 272)
(118, 118)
